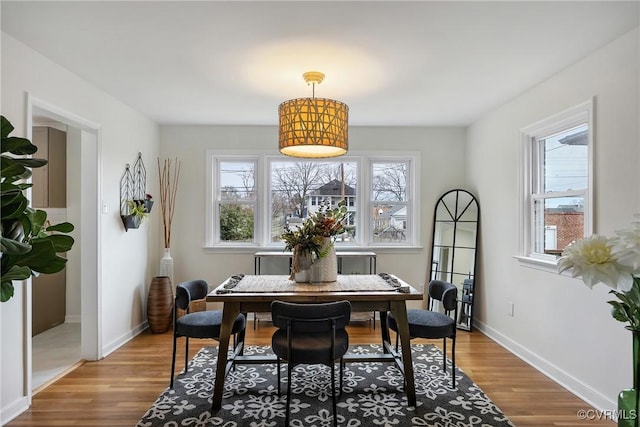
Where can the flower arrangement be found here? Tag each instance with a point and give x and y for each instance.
(614, 261)
(311, 237)
(326, 222)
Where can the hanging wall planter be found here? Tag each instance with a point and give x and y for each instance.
(135, 203)
(130, 221)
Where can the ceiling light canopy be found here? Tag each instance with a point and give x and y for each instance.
(313, 127)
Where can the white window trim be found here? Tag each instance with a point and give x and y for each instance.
(211, 197)
(413, 208)
(261, 232)
(556, 123)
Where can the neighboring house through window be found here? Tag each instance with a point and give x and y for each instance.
(376, 192)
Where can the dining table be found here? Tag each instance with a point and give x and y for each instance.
(380, 292)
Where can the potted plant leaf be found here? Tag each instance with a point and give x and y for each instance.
(28, 245)
(135, 217)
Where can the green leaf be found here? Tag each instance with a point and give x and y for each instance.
(37, 218)
(13, 247)
(10, 168)
(10, 198)
(63, 227)
(6, 291)
(17, 273)
(61, 243)
(18, 146)
(11, 187)
(15, 209)
(5, 127)
(43, 257)
(619, 312)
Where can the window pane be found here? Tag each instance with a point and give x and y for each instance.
(236, 222)
(299, 188)
(557, 222)
(237, 180)
(389, 181)
(389, 223)
(566, 160)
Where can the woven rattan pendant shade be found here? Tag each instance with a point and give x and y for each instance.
(313, 127)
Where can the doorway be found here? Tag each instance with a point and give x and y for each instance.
(78, 338)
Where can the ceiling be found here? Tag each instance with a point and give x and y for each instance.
(394, 63)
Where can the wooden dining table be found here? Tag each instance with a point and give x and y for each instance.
(366, 292)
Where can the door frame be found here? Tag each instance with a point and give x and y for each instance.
(89, 234)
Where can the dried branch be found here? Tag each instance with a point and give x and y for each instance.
(169, 175)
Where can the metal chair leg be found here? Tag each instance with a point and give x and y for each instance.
(333, 394)
(278, 369)
(173, 361)
(444, 355)
(186, 355)
(286, 417)
(453, 362)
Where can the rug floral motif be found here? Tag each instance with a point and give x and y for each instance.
(373, 395)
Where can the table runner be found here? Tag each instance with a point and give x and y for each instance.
(381, 282)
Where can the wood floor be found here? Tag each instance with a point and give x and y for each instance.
(117, 390)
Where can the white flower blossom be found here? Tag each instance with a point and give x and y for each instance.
(594, 260)
(626, 248)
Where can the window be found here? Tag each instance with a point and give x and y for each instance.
(557, 157)
(376, 192)
(235, 201)
(388, 202)
(300, 187)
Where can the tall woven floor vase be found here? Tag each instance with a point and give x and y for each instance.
(160, 304)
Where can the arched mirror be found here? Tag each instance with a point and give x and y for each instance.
(453, 249)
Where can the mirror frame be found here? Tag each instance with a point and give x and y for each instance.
(455, 218)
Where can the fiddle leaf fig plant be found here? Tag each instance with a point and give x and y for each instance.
(29, 245)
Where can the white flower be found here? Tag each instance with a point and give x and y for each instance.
(594, 260)
(626, 248)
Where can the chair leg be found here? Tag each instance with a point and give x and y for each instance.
(186, 355)
(278, 369)
(286, 417)
(444, 355)
(341, 373)
(333, 393)
(453, 362)
(173, 360)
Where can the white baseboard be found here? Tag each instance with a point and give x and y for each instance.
(72, 318)
(13, 410)
(123, 339)
(574, 385)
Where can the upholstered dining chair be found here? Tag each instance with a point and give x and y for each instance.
(310, 334)
(199, 324)
(432, 324)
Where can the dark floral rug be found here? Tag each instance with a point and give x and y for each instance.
(373, 395)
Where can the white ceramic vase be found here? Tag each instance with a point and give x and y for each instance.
(326, 268)
(302, 270)
(166, 266)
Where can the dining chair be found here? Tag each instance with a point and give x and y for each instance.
(310, 334)
(432, 324)
(199, 324)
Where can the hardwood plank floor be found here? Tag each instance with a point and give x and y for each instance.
(117, 390)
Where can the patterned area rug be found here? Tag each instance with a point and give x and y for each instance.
(373, 395)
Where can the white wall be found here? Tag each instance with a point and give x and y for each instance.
(443, 166)
(126, 264)
(559, 324)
